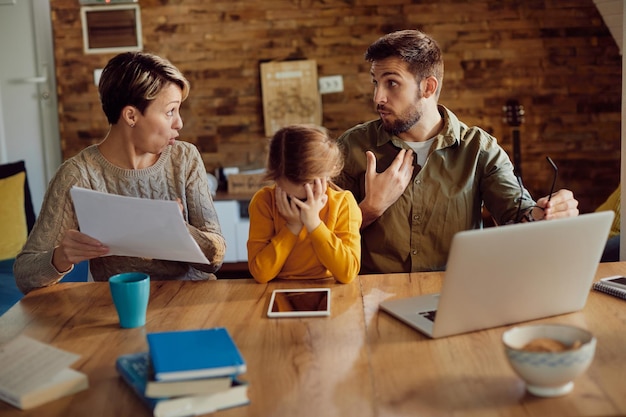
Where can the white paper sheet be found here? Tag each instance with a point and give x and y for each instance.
(139, 227)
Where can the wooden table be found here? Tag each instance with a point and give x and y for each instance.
(358, 362)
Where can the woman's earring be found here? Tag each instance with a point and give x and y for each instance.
(132, 125)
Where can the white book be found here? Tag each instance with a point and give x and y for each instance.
(34, 373)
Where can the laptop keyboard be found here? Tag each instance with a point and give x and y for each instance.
(430, 315)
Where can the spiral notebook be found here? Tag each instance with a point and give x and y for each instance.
(509, 274)
(609, 289)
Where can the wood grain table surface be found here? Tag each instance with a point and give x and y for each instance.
(357, 362)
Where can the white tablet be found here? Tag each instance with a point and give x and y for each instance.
(301, 302)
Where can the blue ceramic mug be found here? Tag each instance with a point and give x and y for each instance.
(130, 292)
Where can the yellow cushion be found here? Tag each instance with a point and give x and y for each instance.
(13, 229)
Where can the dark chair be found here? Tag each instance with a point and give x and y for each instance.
(14, 168)
(9, 293)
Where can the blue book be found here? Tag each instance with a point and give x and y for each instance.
(192, 354)
(134, 368)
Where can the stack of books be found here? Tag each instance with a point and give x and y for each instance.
(188, 372)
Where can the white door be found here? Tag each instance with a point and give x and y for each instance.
(28, 103)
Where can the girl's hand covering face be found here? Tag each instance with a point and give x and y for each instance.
(289, 210)
(303, 211)
(316, 199)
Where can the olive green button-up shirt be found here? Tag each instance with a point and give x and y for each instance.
(465, 167)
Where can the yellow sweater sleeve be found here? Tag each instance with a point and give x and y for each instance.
(339, 249)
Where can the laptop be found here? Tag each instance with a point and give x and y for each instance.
(509, 274)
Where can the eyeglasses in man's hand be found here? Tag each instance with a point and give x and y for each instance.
(521, 186)
(556, 171)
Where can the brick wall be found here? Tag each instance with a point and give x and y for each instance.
(556, 57)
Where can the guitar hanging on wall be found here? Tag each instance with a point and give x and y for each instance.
(514, 117)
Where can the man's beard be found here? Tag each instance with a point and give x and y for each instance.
(406, 120)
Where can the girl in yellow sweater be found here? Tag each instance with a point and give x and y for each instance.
(304, 226)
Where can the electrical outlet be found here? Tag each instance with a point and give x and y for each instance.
(330, 84)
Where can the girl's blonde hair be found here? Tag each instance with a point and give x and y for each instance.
(301, 153)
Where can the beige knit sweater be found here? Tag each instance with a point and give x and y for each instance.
(178, 173)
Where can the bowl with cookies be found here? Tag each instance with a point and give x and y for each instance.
(548, 357)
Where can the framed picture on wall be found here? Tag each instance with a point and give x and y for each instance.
(111, 28)
(290, 94)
